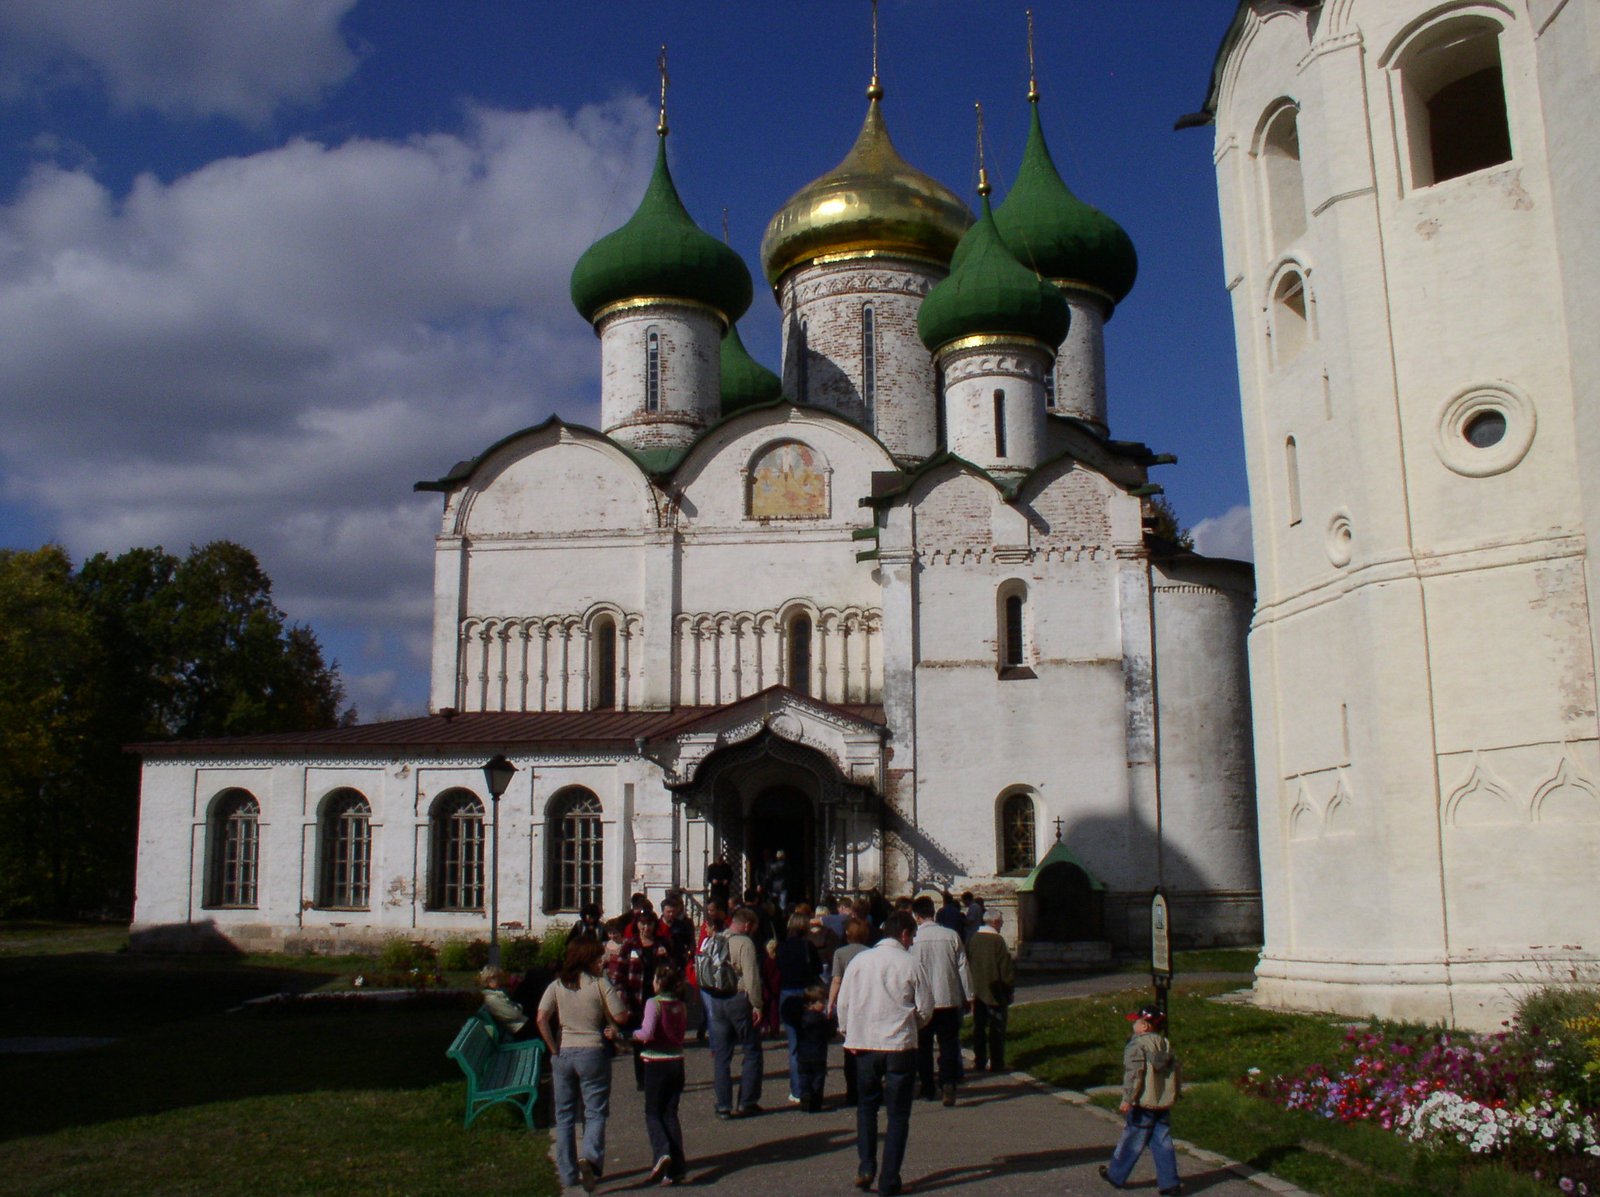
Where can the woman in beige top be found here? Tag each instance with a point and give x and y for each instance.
(586, 1007)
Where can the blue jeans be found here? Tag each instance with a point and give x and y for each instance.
(887, 1079)
(731, 1025)
(1145, 1126)
(790, 1030)
(581, 1074)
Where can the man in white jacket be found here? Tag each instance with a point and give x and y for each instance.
(942, 956)
(884, 1000)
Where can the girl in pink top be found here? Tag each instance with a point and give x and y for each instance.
(660, 1045)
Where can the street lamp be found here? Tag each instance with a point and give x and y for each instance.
(497, 776)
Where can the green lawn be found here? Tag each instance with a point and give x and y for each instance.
(193, 1099)
(1077, 1044)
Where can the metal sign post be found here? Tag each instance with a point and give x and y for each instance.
(1160, 949)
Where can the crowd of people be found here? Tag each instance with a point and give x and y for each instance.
(895, 980)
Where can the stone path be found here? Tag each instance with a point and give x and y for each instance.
(1007, 1135)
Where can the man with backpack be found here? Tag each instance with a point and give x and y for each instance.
(1151, 1084)
(728, 971)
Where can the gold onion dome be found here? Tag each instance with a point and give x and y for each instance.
(873, 202)
(661, 253)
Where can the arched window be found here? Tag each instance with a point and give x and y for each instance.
(603, 663)
(234, 850)
(652, 370)
(1012, 633)
(1281, 177)
(457, 873)
(1291, 327)
(1291, 472)
(941, 437)
(999, 423)
(869, 357)
(1453, 96)
(1019, 849)
(345, 852)
(799, 679)
(573, 876)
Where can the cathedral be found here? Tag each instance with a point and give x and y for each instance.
(899, 614)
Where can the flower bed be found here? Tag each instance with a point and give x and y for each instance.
(1523, 1096)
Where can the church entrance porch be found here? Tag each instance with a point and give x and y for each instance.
(784, 774)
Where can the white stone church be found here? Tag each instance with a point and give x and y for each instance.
(899, 614)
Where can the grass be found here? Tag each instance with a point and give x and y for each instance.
(192, 1099)
(1077, 1043)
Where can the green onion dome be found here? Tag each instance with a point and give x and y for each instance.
(1060, 236)
(990, 293)
(745, 381)
(661, 252)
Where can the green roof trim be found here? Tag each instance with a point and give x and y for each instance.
(1059, 854)
(990, 292)
(745, 381)
(1050, 229)
(660, 251)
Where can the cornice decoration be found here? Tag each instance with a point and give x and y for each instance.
(857, 282)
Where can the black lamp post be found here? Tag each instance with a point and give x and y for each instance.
(497, 776)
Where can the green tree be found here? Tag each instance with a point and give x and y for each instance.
(143, 646)
(50, 665)
(1163, 522)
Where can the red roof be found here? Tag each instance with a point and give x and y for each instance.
(490, 731)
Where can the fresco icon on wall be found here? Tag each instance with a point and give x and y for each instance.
(789, 481)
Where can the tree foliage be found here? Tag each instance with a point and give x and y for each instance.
(143, 646)
(1163, 522)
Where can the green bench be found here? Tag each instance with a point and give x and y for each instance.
(497, 1069)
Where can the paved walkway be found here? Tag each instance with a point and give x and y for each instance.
(1007, 1135)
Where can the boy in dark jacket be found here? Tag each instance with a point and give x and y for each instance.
(1151, 1082)
(806, 1013)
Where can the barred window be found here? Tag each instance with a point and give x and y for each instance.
(1018, 845)
(235, 851)
(457, 857)
(652, 371)
(576, 851)
(346, 851)
(869, 356)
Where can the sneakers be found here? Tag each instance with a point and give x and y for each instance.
(864, 1180)
(588, 1176)
(1105, 1175)
(658, 1174)
(794, 1100)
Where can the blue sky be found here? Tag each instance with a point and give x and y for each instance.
(264, 265)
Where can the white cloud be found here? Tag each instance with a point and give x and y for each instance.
(238, 58)
(273, 348)
(1225, 535)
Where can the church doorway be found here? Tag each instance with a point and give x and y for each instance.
(781, 820)
(1067, 905)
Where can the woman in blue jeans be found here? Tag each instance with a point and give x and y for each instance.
(799, 968)
(587, 1008)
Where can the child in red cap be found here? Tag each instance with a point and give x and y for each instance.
(1151, 1082)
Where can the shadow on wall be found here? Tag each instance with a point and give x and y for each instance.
(1121, 855)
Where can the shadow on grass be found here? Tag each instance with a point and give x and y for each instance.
(177, 1046)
